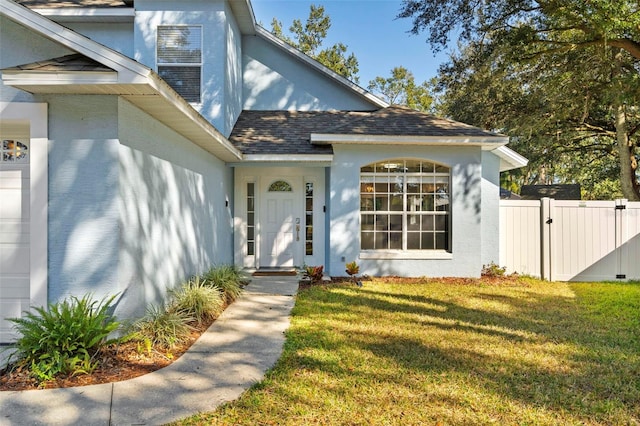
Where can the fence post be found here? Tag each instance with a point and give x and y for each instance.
(546, 220)
(621, 261)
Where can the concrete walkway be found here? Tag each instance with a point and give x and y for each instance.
(233, 354)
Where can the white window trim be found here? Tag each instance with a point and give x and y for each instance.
(36, 115)
(407, 253)
(191, 64)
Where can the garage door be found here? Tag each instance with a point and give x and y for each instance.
(14, 228)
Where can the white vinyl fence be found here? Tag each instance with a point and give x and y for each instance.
(571, 240)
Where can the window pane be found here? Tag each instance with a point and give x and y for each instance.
(382, 222)
(309, 248)
(367, 222)
(250, 248)
(250, 204)
(366, 203)
(413, 222)
(382, 203)
(413, 166)
(441, 169)
(381, 187)
(250, 218)
(179, 45)
(441, 241)
(309, 234)
(414, 203)
(250, 189)
(309, 219)
(396, 203)
(427, 241)
(381, 241)
(427, 223)
(441, 222)
(250, 235)
(413, 241)
(367, 241)
(395, 222)
(280, 186)
(428, 203)
(395, 240)
(184, 80)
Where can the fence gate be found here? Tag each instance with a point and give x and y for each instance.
(571, 240)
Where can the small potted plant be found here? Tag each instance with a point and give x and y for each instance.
(353, 270)
(313, 274)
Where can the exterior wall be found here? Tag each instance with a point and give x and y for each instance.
(116, 35)
(466, 211)
(212, 16)
(174, 221)
(490, 208)
(19, 46)
(233, 75)
(83, 196)
(275, 80)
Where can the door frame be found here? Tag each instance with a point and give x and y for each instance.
(34, 116)
(261, 177)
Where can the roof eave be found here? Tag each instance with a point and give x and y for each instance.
(369, 97)
(486, 142)
(509, 159)
(84, 14)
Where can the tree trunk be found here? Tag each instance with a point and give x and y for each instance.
(628, 162)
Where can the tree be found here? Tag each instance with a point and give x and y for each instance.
(574, 65)
(401, 89)
(308, 38)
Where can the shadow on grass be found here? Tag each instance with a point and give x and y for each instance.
(588, 366)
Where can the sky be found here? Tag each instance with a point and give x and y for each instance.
(368, 28)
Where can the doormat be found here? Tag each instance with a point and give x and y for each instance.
(274, 273)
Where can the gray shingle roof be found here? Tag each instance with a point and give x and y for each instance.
(74, 62)
(288, 132)
(402, 121)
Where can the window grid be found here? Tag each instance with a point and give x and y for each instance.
(179, 59)
(13, 151)
(251, 219)
(308, 219)
(404, 206)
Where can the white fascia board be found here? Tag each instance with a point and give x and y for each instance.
(486, 142)
(129, 71)
(35, 78)
(299, 158)
(79, 14)
(266, 35)
(509, 159)
(167, 92)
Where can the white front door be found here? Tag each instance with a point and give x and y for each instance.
(14, 229)
(281, 215)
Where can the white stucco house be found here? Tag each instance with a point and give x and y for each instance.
(146, 141)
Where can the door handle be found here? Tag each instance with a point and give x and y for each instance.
(297, 232)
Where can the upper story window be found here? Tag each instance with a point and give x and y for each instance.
(179, 57)
(404, 205)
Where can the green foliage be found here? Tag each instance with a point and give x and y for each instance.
(308, 38)
(352, 268)
(314, 273)
(198, 300)
(227, 278)
(401, 89)
(64, 338)
(561, 79)
(164, 327)
(493, 270)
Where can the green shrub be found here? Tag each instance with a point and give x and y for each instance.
(199, 300)
(228, 279)
(493, 270)
(164, 328)
(64, 338)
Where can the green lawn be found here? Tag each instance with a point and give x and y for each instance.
(530, 352)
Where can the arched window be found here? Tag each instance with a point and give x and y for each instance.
(280, 186)
(13, 151)
(404, 205)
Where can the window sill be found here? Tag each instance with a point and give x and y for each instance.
(409, 254)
